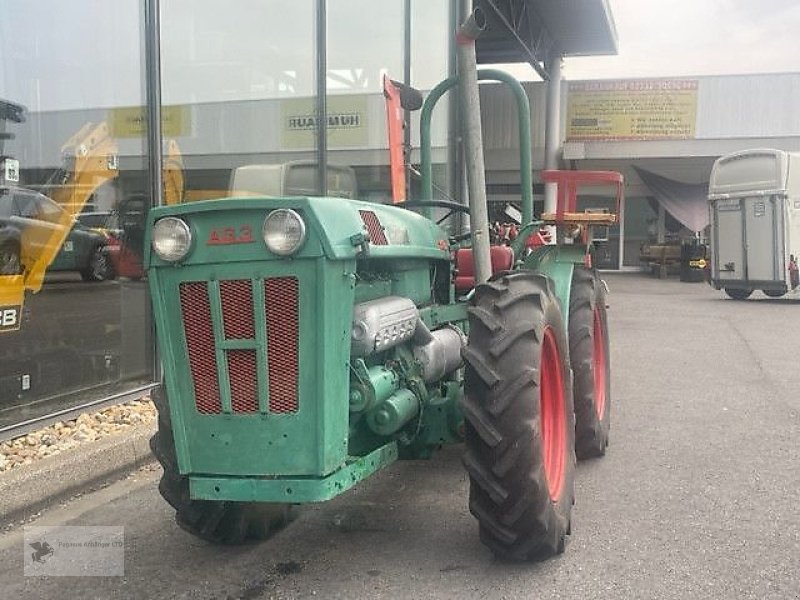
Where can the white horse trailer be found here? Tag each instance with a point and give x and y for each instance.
(754, 199)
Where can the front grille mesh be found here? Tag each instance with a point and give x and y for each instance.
(199, 333)
(238, 327)
(282, 343)
(236, 296)
(377, 236)
(243, 375)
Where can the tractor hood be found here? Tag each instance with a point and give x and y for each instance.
(337, 228)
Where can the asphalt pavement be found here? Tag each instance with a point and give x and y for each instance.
(696, 498)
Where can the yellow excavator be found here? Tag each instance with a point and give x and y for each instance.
(90, 159)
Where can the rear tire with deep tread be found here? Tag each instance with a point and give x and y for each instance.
(513, 319)
(218, 522)
(588, 328)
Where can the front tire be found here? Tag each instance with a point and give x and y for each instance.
(774, 293)
(519, 419)
(589, 357)
(738, 293)
(218, 522)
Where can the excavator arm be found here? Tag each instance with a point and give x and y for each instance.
(90, 159)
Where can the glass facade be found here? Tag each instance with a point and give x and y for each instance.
(73, 306)
(240, 106)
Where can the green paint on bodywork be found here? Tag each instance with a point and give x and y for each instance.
(331, 223)
(293, 489)
(247, 453)
(557, 263)
(312, 441)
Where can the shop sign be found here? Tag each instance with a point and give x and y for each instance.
(131, 121)
(346, 124)
(642, 109)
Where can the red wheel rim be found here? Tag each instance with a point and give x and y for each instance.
(553, 417)
(599, 364)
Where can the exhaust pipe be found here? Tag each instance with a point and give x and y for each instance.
(473, 141)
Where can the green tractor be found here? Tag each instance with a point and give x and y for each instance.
(308, 342)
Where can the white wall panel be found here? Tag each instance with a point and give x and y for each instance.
(748, 106)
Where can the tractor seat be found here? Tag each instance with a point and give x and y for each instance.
(502, 258)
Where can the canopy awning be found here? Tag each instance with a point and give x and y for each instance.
(528, 30)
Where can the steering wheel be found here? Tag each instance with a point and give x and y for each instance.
(451, 208)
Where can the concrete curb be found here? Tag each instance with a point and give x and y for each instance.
(25, 491)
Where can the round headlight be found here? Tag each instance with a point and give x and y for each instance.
(172, 239)
(284, 231)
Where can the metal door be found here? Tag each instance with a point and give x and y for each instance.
(729, 240)
(763, 238)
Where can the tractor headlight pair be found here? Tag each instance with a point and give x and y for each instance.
(284, 233)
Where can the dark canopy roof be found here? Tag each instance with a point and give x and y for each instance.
(528, 30)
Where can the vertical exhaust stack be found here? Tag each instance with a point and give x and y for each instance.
(473, 146)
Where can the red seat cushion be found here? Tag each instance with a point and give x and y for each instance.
(502, 258)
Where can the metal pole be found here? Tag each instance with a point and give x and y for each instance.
(552, 127)
(322, 99)
(152, 52)
(473, 142)
(407, 81)
(155, 159)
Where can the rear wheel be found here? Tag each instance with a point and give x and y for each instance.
(589, 357)
(738, 294)
(219, 522)
(774, 293)
(519, 419)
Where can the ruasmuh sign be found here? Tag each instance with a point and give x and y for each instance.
(347, 122)
(335, 121)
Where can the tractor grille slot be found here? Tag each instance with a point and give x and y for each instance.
(199, 332)
(236, 296)
(283, 326)
(238, 328)
(243, 374)
(374, 228)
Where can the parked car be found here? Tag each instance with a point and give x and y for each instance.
(28, 221)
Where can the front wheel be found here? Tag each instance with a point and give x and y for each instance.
(774, 293)
(590, 360)
(738, 293)
(218, 522)
(519, 419)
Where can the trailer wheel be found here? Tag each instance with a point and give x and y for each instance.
(519, 419)
(590, 360)
(218, 522)
(738, 294)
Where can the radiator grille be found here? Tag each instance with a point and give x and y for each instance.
(199, 333)
(243, 375)
(374, 228)
(239, 324)
(282, 343)
(236, 296)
